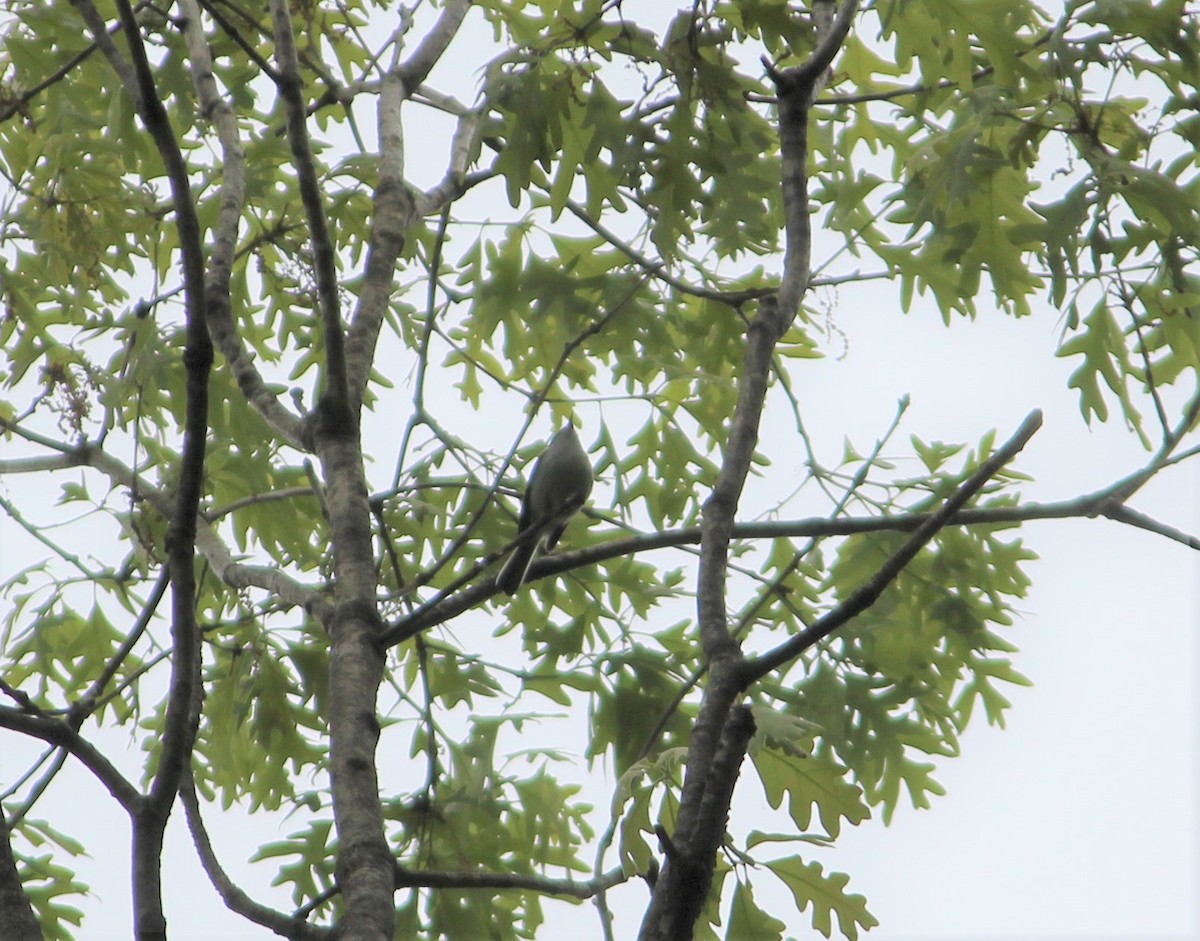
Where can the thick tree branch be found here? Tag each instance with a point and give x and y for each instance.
(394, 212)
(395, 208)
(57, 732)
(673, 909)
(182, 708)
(434, 45)
(364, 863)
(356, 663)
(231, 198)
(795, 88)
(689, 871)
(17, 922)
(832, 31)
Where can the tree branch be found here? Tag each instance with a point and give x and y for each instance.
(36, 532)
(448, 605)
(104, 42)
(1124, 514)
(394, 212)
(182, 714)
(657, 269)
(57, 758)
(463, 151)
(19, 104)
(236, 575)
(355, 662)
(564, 888)
(235, 899)
(434, 45)
(57, 732)
(17, 922)
(670, 916)
(231, 200)
(689, 870)
(395, 207)
(244, 44)
(290, 84)
(869, 593)
(84, 707)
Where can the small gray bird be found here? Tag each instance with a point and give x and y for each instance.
(560, 483)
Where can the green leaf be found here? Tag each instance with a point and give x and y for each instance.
(825, 895)
(748, 922)
(807, 782)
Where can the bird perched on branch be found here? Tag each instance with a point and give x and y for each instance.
(559, 486)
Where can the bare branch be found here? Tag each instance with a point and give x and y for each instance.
(36, 532)
(58, 758)
(565, 888)
(258, 499)
(236, 35)
(656, 269)
(1124, 514)
(88, 702)
(394, 212)
(235, 899)
(57, 732)
(433, 46)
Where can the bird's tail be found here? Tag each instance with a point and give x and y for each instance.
(516, 567)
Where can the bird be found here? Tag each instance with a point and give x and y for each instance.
(558, 487)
